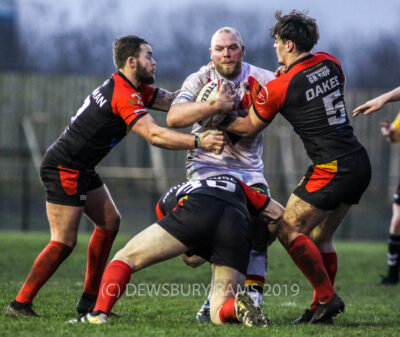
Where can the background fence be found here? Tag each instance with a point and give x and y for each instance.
(34, 109)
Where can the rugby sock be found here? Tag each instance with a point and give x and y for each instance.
(98, 251)
(330, 263)
(113, 285)
(394, 257)
(43, 268)
(308, 259)
(255, 277)
(227, 312)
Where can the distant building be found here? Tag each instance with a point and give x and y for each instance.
(8, 35)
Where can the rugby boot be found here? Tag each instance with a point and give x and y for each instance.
(95, 317)
(328, 310)
(306, 318)
(17, 309)
(390, 280)
(247, 312)
(203, 315)
(86, 305)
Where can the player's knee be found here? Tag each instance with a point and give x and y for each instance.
(111, 223)
(192, 261)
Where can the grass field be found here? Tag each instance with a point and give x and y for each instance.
(371, 310)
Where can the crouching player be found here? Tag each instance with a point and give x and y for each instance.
(210, 218)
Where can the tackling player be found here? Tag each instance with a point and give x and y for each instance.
(209, 217)
(310, 96)
(68, 173)
(241, 156)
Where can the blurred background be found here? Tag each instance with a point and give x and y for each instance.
(53, 54)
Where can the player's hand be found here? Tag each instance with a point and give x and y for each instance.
(369, 107)
(386, 128)
(212, 141)
(225, 98)
(280, 71)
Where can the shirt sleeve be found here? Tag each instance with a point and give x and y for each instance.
(256, 201)
(149, 94)
(191, 88)
(130, 107)
(268, 103)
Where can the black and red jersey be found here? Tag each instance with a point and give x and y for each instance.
(105, 117)
(227, 188)
(310, 96)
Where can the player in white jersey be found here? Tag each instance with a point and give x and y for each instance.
(241, 157)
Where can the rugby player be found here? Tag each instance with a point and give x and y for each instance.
(241, 156)
(310, 95)
(209, 217)
(392, 132)
(68, 168)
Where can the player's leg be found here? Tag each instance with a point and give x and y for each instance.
(152, 245)
(101, 210)
(64, 222)
(299, 219)
(258, 262)
(393, 245)
(228, 303)
(322, 236)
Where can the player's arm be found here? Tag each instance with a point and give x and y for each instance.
(163, 99)
(391, 130)
(185, 114)
(165, 138)
(378, 102)
(246, 126)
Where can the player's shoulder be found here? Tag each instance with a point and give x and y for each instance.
(193, 84)
(326, 56)
(262, 75)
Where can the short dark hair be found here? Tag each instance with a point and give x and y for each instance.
(297, 27)
(126, 46)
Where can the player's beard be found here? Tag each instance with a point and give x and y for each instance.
(230, 74)
(143, 75)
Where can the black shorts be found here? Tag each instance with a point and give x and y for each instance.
(67, 186)
(344, 180)
(396, 195)
(213, 229)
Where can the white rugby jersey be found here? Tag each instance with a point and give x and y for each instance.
(240, 157)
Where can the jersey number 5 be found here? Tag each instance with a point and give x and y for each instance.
(334, 107)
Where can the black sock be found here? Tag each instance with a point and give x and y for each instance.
(394, 256)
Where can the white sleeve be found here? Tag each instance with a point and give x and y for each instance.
(191, 87)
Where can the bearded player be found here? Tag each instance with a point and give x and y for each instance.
(241, 156)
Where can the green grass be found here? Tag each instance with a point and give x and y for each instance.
(370, 310)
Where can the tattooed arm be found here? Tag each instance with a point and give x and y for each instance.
(164, 99)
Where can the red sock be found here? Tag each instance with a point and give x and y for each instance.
(98, 253)
(44, 266)
(309, 260)
(330, 263)
(227, 312)
(113, 285)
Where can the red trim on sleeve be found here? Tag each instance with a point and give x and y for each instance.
(271, 98)
(256, 200)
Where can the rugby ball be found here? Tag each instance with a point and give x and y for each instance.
(209, 92)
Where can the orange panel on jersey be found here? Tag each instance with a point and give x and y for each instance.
(69, 180)
(321, 176)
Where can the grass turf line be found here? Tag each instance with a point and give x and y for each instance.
(371, 310)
